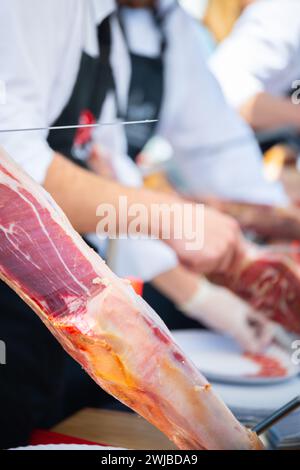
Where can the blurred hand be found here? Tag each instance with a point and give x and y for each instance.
(222, 311)
(223, 245)
(100, 162)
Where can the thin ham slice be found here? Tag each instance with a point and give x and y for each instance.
(270, 281)
(98, 319)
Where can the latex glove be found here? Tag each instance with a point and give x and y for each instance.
(222, 311)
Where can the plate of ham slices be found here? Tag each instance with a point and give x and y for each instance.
(220, 359)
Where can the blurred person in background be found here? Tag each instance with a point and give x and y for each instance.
(258, 65)
(220, 16)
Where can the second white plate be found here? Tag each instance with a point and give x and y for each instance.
(220, 359)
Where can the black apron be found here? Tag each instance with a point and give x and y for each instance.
(32, 381)
(95, 79)
(146, 91)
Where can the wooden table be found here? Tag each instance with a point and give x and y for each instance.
(116, 428)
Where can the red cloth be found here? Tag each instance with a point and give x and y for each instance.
(43, 437)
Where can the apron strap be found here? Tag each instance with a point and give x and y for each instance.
(94, 81)
(160, 19)
(146, 91)
(105, 40)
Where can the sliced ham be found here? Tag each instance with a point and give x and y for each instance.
(98, 319)
(266, 278)
(270, 282)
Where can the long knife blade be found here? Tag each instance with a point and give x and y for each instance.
(277, 416)
(78, 126)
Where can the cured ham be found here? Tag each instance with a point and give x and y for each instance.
(270, 281)
(99, 320)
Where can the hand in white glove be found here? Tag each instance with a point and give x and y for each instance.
(222, 311)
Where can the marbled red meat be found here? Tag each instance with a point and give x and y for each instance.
(102, 323)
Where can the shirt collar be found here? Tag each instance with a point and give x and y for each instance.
(164, 5)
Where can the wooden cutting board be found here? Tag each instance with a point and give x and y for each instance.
(118, 429)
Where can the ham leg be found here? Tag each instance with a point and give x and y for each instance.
(98, 319)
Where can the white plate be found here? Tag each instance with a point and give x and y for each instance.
(220, 359)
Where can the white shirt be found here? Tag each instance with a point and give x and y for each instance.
(262, 54)
(41, 43)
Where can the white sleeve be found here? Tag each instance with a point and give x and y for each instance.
(215, 151)
(143, 259)
(33, 50)
(261, 54)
